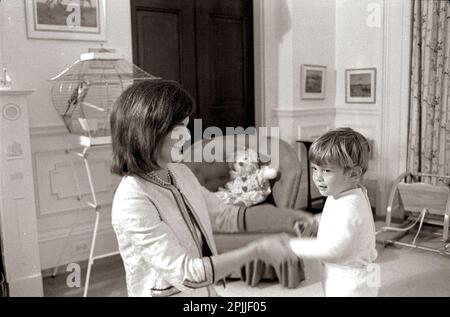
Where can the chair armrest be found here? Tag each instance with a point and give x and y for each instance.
(268, 218)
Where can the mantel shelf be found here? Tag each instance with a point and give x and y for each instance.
(16, 92)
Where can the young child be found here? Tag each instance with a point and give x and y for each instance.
(345, 243)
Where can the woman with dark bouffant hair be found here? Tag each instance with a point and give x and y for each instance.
(162, 216)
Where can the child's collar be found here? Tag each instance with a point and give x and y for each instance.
(349, 191)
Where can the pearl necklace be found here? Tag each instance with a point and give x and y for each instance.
(154, 176)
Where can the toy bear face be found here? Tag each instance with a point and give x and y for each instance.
(246, 161)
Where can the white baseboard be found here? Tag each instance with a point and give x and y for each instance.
(29, 286)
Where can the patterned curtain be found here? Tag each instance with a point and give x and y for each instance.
(429, 113)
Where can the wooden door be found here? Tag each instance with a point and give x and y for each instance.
(207, 46)
(164, 39)
(225, 62)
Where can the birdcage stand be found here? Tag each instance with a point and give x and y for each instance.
(87, 144)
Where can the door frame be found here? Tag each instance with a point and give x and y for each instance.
(259, 64)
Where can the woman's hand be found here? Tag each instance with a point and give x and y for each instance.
(272, 249)
(275, 250)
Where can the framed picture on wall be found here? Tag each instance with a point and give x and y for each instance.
(360, 85)
(313, 81)
(82, 20)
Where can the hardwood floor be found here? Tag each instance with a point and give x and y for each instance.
(107, 280)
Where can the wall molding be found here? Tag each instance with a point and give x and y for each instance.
(371, 128)
(48, 130)
(300, 112)
(47, 163)
(80, 230)
(359, 111)
(311, 131)
(77, 247)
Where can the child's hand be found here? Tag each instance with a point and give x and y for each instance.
(295, 218)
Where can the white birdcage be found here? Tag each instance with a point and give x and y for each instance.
(84, 93)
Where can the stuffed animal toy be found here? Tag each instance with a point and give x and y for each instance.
(249, 180)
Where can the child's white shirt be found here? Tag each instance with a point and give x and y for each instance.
(345, 244)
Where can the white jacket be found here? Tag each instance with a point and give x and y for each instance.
(157, 238)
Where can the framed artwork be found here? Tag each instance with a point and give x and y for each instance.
(360, 85)
(313, 81)
(82, 20)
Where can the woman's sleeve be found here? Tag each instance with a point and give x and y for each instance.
(330, 245)
(142, 234)
(224, 217)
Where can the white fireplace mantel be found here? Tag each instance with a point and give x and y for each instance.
(18, 225)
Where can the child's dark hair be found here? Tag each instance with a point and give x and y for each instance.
(343, 147)
(141, 117)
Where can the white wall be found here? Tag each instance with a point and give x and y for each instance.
(314, 43)
(359, 44)
(31, 62)
(341, 34)
(1, 33)
(362, 42)
(277, 33)
(298, 32)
